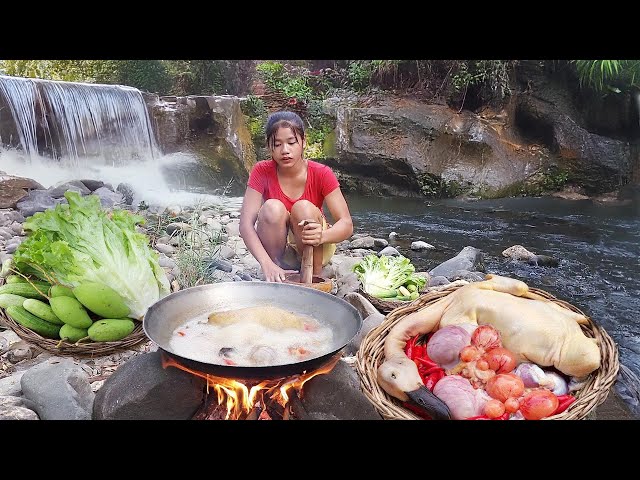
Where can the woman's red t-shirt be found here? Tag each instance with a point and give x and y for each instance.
(321, 181)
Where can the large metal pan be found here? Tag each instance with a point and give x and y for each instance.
(178, 308)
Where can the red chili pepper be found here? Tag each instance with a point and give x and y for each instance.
(419, 351)
(431, 380)
(563, 403)
(181, 333)
(408, 348)
(426, 362)
(417, 410)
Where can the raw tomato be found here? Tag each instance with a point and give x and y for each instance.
(538, 404)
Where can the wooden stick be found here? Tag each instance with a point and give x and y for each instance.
(306, 269)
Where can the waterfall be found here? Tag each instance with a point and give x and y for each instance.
(78, 124)
(54, 132)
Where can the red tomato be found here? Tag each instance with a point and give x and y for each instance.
(538, 404)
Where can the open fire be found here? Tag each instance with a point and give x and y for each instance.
(243, 399)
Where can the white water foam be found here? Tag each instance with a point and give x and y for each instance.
(148, 178)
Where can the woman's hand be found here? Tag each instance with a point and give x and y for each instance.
(273, 273)
(311, 233)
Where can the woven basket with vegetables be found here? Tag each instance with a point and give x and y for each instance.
(511, 366)
(388, 282)
(82, 280)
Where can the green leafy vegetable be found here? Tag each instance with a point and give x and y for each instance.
(382, 276)
(81, 242)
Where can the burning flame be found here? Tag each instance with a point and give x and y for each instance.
(239, 398)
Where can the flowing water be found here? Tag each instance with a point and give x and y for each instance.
(63, 131)
(597, 246)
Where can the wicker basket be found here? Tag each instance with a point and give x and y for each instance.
(86, 349)
(371, 355)
(384, 306)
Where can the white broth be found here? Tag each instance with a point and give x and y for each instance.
(255, 337)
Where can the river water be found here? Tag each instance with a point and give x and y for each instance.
(597, 246)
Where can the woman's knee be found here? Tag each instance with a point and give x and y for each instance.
(273, 212)
(304, 209)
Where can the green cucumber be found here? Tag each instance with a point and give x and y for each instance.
(24, 290)
(42, 310)
(9, 299)
(30, 321)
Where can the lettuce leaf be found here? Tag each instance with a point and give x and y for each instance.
(381, 276)
(81, 242)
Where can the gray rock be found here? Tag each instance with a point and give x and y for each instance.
(342, 265)
(518, 252)
(17, 228)
(11, 385)
(364, 306)
(544, 261)
(233, 228)
(128, 194)
(92, 184)
(223, 251)
(108, 198)
(420, 245)
(369, 323)
(220, 264)
(388, 251)
(347, 284)
(141, 389)
(6, 233)
(467, 276)
(179, 227)
(16, 408)
(37, 201)
(362, 252)
(166, 249)
(59, 390)
(364, 242)
(437, 281)
(59, 190)
(469, 258)
(380, 242)
(166, 262)
(13, 216)
(337, 395)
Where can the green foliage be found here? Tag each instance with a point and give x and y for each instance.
(320, 126)
(314, 150)
(63, 70)
(198, 77)
(176, 77)
(490, 74)
(292, 84)
(437, 187)
(431, 185)
(255, 113)
(359, 74)
(608, 75)
(548, 179)
(253, 106)
(147, 75)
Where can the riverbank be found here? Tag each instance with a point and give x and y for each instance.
(196, 245)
